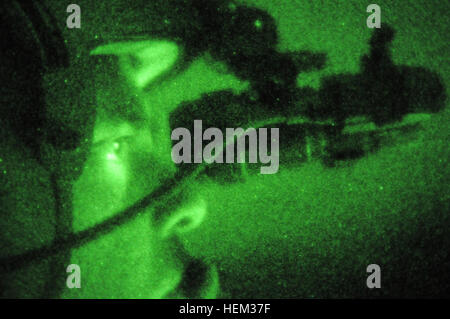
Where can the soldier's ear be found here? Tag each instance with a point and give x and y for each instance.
(184, 219)
(143, 61)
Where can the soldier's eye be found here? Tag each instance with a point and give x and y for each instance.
(118, 148)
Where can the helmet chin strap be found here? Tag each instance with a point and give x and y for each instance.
(74, 240)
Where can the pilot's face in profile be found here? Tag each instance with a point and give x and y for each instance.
(137, 84)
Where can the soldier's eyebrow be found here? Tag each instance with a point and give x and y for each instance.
(143, 61)
(129, 46)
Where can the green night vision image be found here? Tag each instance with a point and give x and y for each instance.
(216, 149)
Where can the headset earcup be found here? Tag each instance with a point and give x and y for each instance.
(31, 46)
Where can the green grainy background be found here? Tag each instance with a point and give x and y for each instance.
(312, 231)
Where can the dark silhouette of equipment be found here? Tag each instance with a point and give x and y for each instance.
(382, 93)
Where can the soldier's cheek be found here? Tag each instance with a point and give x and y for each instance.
(100, 192)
